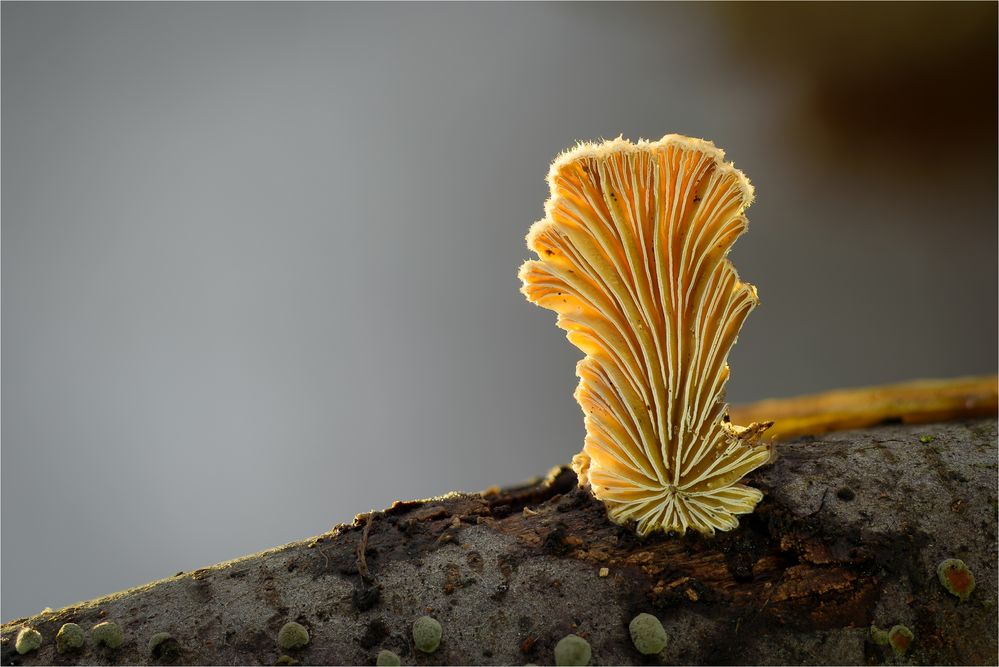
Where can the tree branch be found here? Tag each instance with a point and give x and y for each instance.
(849, 534)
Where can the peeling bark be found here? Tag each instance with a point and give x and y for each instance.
(848, 535)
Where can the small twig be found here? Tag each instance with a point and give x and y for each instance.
(771, 593)
(326, 559)
(918, 402)
(822, 503)
(362, 546)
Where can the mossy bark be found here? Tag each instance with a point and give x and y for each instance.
(849, 534)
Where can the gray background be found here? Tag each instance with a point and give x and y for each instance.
(259, 261)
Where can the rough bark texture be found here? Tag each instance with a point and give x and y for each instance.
(849, 534)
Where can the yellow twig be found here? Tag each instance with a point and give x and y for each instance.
(920, 401)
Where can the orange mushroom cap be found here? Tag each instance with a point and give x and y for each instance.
(632, 257)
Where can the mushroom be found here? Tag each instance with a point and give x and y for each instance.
(632, 258)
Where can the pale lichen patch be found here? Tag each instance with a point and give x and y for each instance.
(107, 634)
(572, 650)
(900, 639)
(427, 632)
(955, 576)
(28, 640)
(292, 635)
(647, 634)
(387, 658)
(69, 638)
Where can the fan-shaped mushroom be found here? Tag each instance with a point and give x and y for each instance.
(632, 257)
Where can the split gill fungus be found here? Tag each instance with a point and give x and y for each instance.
(632, 258)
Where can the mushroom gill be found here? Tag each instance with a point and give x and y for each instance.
(632, 257)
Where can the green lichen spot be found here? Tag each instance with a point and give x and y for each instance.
(900, 639)
(107, 633)
(292, 635)
(647, 634)
(69, 638)
(162, 646)
(285, 660)
(955, 576)
(28, 639)
(427, 634)
(879, 636)
(572, 650)
(156, 640)
(387, 659)
(926, 439)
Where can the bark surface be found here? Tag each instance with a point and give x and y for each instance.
(849, 534)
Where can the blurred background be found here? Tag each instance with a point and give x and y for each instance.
(259, 260)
